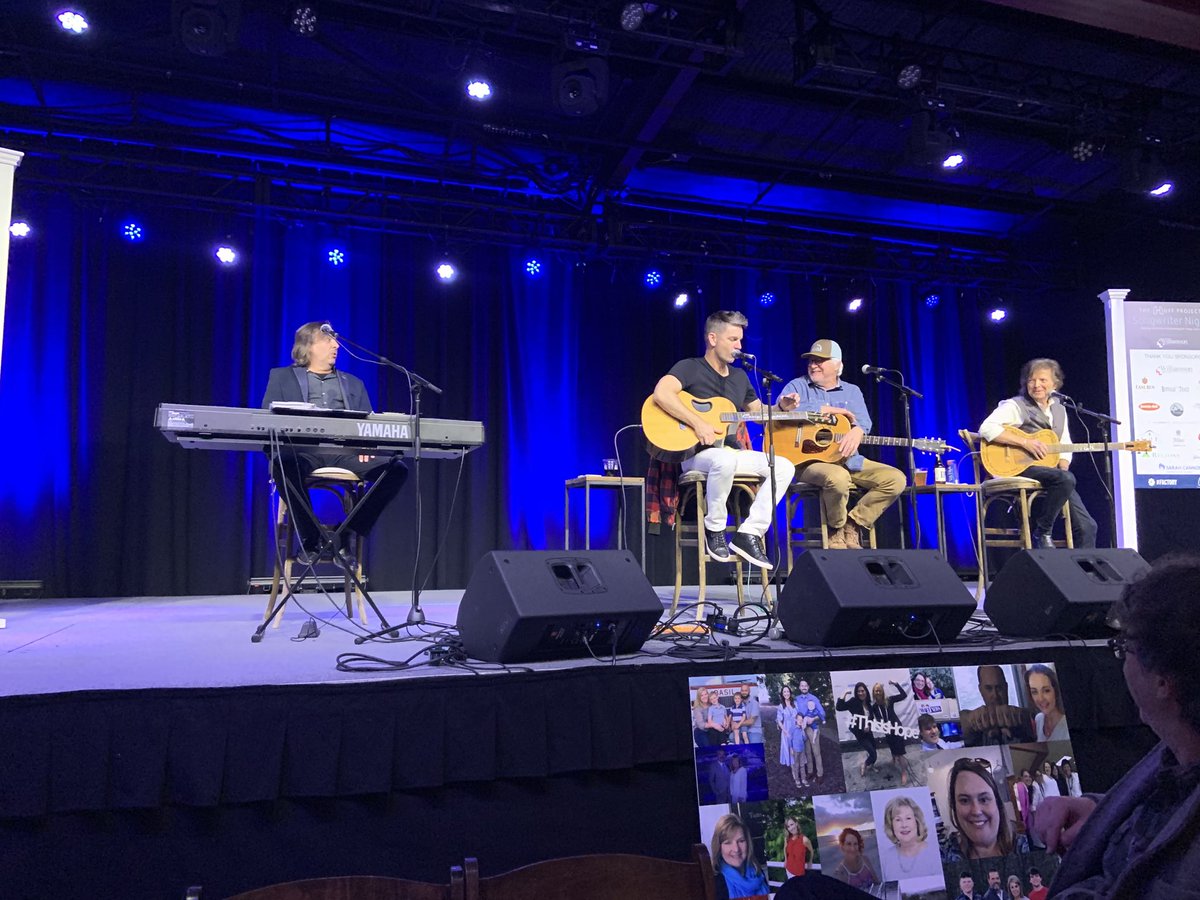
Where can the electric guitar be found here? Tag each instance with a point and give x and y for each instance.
(820, 442)
(1004, 461)
(670, 440)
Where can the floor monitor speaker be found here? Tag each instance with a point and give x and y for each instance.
(530, 605)
(841, 598)
(1043, 592)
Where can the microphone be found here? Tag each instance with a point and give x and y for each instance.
(1061, 396)
(874, 370)
(738, 354)
(328, 329)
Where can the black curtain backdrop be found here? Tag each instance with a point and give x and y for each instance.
(99, 330)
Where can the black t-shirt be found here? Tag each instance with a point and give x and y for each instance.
(701, 380)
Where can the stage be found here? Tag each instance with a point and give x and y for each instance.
(153, 729)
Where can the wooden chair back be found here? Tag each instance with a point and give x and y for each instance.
(611, 876)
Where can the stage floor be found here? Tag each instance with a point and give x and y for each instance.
(136, 643)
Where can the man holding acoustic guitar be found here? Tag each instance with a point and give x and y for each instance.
(1021, 423)
(692, 389)
(822, 390)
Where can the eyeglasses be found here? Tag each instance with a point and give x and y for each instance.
(1121, 646)
(966, 763)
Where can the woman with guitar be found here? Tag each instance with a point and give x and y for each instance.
(1016, 423)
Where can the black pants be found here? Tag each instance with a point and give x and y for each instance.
(1058, 487)
(866, 740)
(292, 467)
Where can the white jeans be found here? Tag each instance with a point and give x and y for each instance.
(721, 464)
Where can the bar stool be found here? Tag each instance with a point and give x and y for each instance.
(811, 537)
(348, 488)
(1015, 493)
(691, 490)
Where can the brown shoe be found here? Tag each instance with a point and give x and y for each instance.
(836, 539)
(850, 535)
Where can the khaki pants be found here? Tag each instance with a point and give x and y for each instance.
(882, 484)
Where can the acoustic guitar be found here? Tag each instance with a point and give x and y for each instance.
(820, 442)
(1004, 461)
(670, 440)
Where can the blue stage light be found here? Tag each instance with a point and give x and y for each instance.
(131, 231)
(479, 89)
(1162, 190)
(855, 304)
(533, 267)
(226, 254)
(999, 314)
(682, 299)
(19, 229)
(446, 271)
(653, 278)
(932, 299)
(953, 160)
(336, 256)
(766, 298)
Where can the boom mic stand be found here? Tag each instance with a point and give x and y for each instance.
(767, 378)
(905, 393)
(1101, 419)
(416, 615)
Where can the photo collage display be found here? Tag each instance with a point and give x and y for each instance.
(903, 782)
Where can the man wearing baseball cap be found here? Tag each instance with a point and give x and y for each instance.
(822, 390)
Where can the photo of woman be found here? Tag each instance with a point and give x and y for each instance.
(883, 711)
(982, 829)
(908, 852)
(798, 849)
(858, 704)
(700, 732)
(1050, 721)
(854, 869)
(737, 872)
(1015, 890)
(785, 721)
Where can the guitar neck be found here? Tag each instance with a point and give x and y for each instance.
(1088, 448)
(886, 441)
(761, 417)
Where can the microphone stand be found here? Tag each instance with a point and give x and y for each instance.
(416, 615)
(1101, 419)
(905, 393)
(767, 377)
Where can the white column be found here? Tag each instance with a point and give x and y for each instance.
(9, 160)
(1120, 408)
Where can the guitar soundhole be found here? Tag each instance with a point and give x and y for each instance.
(702, 406)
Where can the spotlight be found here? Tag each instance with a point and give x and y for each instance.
(1145, 171)
(73, 21)
(226, 255)
(336, 257)
(632, 16)
(767, 298)
(1083, 149)
(479, 89)
(909, 76)
(855, 304)
(682, 299)
(19, 229)
(653, 278)
(131, 231)
(932, 142)
(932, 299)
(533, 267)
(580, 86)
(303, 18)
(206, 27)
(999, 314)
(1162, 190)
(446, 271)
(953, 160)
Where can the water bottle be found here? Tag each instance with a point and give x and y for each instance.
(952, 471)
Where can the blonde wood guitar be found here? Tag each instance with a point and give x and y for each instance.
(821, 442)
(670, 440)
(1004, 461)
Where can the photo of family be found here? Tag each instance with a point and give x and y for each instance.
(801, 735)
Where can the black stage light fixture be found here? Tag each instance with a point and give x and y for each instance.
(580, 86)
(632, 16)
(206, 27)
(302, 18)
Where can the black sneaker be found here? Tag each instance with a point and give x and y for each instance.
(1042, 541)
(750, 548)
(718, 548)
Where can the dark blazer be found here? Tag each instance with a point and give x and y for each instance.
(290, 384)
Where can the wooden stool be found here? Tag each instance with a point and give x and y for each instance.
(691, 490)
(811, 537)
(349, 489)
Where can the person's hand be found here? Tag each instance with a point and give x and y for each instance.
(706, 434)
(838, 411)
(1036, 448)
(850, 442)
(788, 401)
(1057, 820)
(986, 718)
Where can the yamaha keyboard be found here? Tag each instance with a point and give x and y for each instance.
(234, 428)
